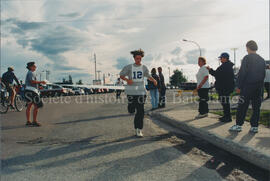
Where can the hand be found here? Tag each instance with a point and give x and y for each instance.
(208, 68)
(155, 82)
(238, 91)
(129, 82)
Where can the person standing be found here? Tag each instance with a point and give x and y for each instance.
(8, 79)
(32, 94)
(249, 85)
(162, 89)
(134, 75)
(154, 89)
(118, 91)
(224, 84)
(267, 81)
(202, 88)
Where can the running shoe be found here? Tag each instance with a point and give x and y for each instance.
(236, 128)
(253, 130)
(201, 116)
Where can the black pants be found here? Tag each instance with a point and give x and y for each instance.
(203, 105)
(118, 93)
(267, 88)
(136, 103)
(249, 93)
(224, 98)
(162, 97)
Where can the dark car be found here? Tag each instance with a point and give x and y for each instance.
(52, 90)
(188, 86)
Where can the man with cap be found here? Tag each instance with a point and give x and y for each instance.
(8, 78)
(224, 84)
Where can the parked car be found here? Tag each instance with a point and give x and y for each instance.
(88, 91)
(188, 86)
(52, 90)
(78, 91)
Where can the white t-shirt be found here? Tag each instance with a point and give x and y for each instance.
(200, 76)
(267, 76)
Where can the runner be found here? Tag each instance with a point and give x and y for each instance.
(32, 94)
(134, 75)
(7, 79)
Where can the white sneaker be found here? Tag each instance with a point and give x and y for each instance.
(236, 128)
(140, 134)
(201, 116)
(253, 130)
(137, 132)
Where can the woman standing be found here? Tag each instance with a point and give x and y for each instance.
(154, 89)
(202, 88)
(32, 94)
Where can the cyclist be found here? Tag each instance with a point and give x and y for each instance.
(7, 79)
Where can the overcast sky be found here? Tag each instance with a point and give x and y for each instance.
(63, 35)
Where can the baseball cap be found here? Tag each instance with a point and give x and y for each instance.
(224, 55)
(10, 68)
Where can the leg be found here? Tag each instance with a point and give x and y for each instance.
(267, 87)
(157, 98)
(242, 110)
(138, 119)
(256, 105)
(225, 102)
(28, 109)
(12, 98)
(131, 104)
(203, 106)
(152, 94)
(35, 112)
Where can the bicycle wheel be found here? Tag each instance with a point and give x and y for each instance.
(19, 103)
(3, 105)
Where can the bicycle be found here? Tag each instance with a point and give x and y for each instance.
(5, 99)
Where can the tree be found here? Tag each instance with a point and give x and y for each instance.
(177, 78)
(70, 79)
(79, 82)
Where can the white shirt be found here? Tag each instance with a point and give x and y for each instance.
(200, 76)
(267, 76)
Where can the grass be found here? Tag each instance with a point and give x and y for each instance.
(264, 116)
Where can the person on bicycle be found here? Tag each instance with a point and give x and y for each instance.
(32, 94)
(7, 79)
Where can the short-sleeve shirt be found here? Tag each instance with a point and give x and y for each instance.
(30, 76)
(267, 75)
(200, 76)
(137, 73)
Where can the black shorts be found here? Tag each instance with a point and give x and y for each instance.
(32, 97)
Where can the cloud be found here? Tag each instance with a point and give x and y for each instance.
(177, 61)
(176, 51)
(121, 62)
(70, 15)
(192, 56)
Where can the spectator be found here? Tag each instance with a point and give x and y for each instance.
(202, 88)
(162, 89)
(250, 84)
(224, 84)
(267, 81)
(32, 94)
(154, 89)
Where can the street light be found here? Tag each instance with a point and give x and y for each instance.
(195, 44)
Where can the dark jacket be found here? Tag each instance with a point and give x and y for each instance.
(8, 78)
(224, 76)
(252, 71)
(162, 81)
(151, 84)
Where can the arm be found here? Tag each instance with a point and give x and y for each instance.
(16, 79)
(37, 82)
(212, 72)
(242, 74)
(153, 80)
(124, 72)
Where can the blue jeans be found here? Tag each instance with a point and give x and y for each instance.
(154, 98)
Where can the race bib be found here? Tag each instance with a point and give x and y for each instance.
(137, 74)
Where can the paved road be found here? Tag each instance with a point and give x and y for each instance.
(82, 140)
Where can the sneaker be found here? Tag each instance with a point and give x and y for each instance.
(225, 120)
(28, 123)
(36, 124)
(236, 128)
(253, 130)
(201, 116)
(137, 132)
(140, 133)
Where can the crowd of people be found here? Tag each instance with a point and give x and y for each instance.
(249, 84)
(252, 77)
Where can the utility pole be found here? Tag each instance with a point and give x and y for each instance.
(169, 74)
(234, 55)
(95, 58)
